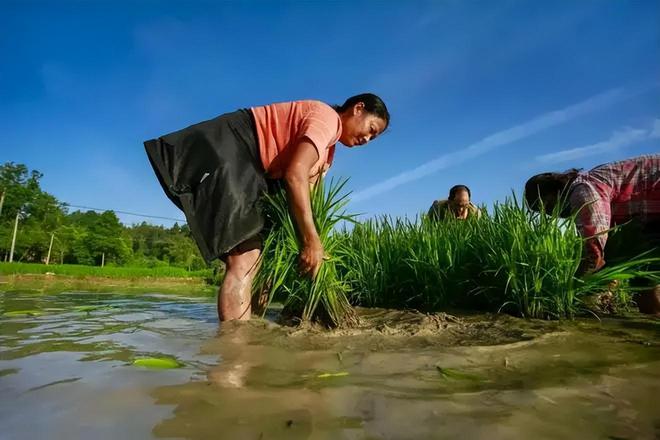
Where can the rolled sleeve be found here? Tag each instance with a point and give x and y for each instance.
(593, 221)
(322, 126)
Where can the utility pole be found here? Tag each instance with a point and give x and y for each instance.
(52, 235)
(13, 239)
(2, 200)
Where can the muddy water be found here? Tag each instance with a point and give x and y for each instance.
(66, 371)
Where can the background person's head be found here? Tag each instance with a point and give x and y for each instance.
(547, 189)
(363, 117)
(459, 200)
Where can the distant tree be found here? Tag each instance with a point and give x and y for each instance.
(82, 237)
(19, 187)
(40, 213)
(99, 235)
(154, 244)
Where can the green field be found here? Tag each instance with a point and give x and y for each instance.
(74, 270)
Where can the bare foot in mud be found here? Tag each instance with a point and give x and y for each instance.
(601, 302)
(604, 302)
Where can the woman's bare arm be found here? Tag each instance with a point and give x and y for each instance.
(296, 175)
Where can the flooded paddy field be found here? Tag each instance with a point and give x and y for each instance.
(68, 370)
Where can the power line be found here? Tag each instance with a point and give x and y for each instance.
(126, 213)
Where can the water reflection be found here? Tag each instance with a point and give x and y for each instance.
(66, 372)
(271, 384)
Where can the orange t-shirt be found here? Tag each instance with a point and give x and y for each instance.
(280, 126)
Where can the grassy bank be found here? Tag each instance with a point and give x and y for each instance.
(106, 272)
(61, 277)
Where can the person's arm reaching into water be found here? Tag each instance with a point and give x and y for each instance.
(296, 175)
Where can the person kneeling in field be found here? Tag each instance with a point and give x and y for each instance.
(458, 205)
(608, 195)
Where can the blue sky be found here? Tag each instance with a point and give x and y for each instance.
(484, 93)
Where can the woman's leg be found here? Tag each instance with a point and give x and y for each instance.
(236, 289)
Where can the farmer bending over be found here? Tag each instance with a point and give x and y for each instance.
(606, 196)
(458, 205)
(216, 172)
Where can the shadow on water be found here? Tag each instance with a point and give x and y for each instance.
(66, 371)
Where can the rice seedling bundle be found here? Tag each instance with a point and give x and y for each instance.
(325, 298)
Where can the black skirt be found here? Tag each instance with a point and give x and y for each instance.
(212, 171)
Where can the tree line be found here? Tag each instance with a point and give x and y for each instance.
(46, 232)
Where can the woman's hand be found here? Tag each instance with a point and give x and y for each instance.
(310, 258)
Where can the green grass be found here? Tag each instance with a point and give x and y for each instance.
(512, 260)
(108, 271)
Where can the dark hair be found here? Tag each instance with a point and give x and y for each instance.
(544, 184)
(372, 104)
(456, 188)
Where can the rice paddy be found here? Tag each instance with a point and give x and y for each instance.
(107, 271)
(126, 365)
(509, 260)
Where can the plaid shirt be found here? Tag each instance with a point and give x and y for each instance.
(612, 194)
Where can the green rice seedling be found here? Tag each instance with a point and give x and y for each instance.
(375, 263)
(442, 262)
(514, 260)
(414, 264)
(324, 298)
(529, 261)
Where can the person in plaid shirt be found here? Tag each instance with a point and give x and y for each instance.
(608, 195)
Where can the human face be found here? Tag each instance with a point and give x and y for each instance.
(459, 205)
(360, 126)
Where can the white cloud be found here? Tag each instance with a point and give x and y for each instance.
(501, 138)
(618, 139)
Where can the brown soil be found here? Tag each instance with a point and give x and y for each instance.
(393, 329)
